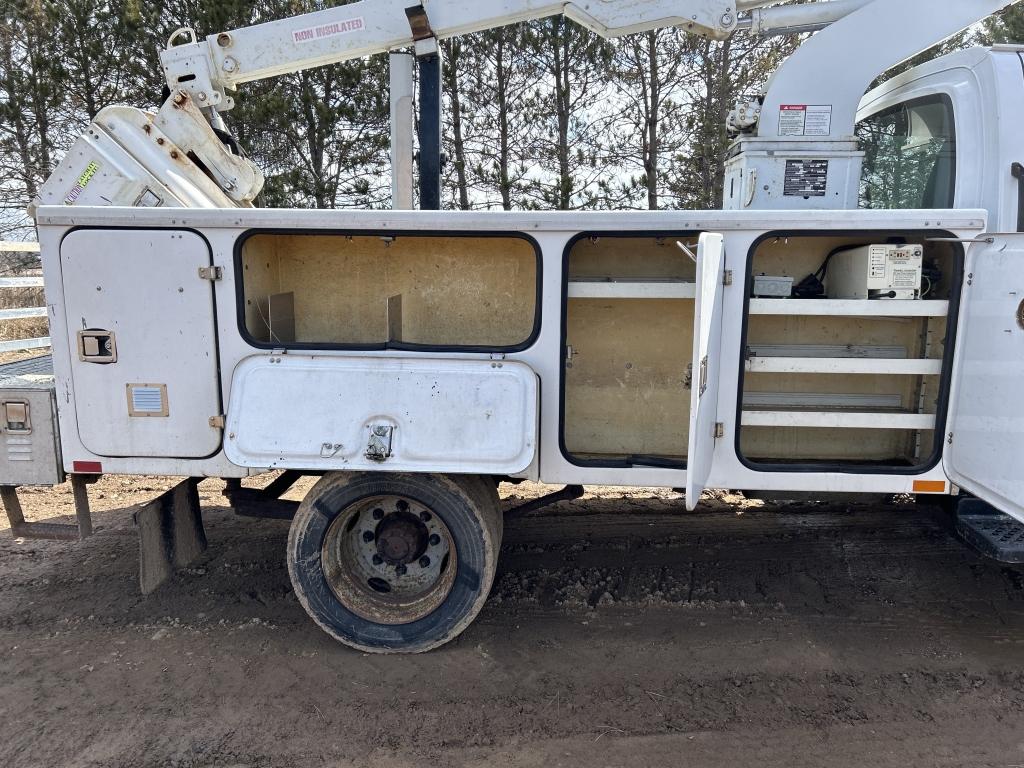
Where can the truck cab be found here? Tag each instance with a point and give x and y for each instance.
(946, 134)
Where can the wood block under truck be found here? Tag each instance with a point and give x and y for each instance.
(792, 345)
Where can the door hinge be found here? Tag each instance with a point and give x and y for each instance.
(217, 422)
(719, 429)
(211, 273)
(727, 277)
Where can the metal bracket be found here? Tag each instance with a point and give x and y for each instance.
(424, 39)
(23, 529)
(211, 273)
(719, 429)
(217, 422)
(727, 277)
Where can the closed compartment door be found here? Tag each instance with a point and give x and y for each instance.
(143, 346)
(985, 441)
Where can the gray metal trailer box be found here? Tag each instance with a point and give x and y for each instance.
(29, 445)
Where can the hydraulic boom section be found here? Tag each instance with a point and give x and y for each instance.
(209, 69)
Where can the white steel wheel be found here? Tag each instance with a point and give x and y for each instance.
(395, 562)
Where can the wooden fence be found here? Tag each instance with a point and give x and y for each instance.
(18, 313)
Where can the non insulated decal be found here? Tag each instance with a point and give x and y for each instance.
(323, 31)
(83, 181)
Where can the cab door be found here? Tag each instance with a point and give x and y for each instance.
(707, 345)
(143, 341)
(985, 430)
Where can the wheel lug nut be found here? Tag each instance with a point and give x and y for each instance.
(368, 536)
(400, 569)
(378, 514)
(425, 517)
(424, 562)
(377, 559)
(434, 539)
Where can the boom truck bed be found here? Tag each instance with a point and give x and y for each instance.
(791, 345)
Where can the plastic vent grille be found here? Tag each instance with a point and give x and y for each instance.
(147, 400)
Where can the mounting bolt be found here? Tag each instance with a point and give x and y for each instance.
(378, 514)
(424, 562)
(377, 559)
(400, 569)
(368, 536)
(425, 516)
(180, 98)
(434, 539)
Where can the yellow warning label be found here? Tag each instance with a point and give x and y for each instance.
(83, 181)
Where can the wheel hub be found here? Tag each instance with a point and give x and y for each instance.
(401, 538)
(389, 559)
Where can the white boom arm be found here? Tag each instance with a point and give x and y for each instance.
(800, 150)
(208, 69)
(837, 65)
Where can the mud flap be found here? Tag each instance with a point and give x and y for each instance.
(171, 534)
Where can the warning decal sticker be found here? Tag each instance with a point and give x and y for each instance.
(806, 178)
(805, 120)
(83, 181)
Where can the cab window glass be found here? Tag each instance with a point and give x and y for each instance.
(910, 156)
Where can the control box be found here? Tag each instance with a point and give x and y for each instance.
(769, 286)
(875, 272)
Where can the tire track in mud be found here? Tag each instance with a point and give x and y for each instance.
(612, 618)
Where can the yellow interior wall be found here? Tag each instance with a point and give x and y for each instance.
(475, 291)
(625, 392)
(798, 257)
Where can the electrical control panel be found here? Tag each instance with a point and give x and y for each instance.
(875, 272)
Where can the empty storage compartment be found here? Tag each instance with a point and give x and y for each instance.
(850, 370)
(628, 350)
(389, 290)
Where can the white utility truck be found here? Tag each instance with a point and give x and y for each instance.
(851, 323)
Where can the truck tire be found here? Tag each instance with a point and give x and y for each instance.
(395, 563)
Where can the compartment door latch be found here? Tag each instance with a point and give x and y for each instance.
(379, 446)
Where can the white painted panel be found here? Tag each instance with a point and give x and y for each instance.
(449, 415)
(986, 416)
(707, 356)
(838, 420)
(883, 367)
(849, 307)
(144, 286)
(631, 289)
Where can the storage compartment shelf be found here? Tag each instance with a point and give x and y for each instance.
(852, 365)
(850, 307)
(630, 288)
(839, 420)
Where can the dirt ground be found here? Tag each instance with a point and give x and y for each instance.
(621, 632)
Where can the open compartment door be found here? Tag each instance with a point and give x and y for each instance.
(985, 430)
(707, 344)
